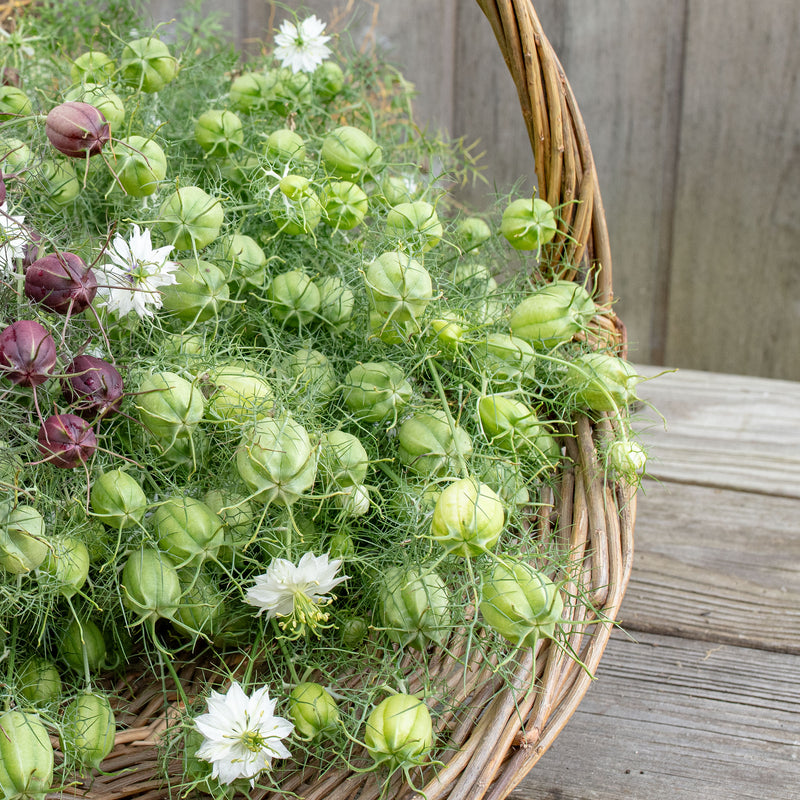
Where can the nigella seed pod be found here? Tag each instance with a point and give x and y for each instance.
(66, 440)
(34, 249)
(61, 282)
(26, 756)
(27, 353)
(10, 77)
(2, 189)
(399, 732)
(93, 387)
(77, 129)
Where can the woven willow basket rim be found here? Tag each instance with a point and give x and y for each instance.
(493, 746)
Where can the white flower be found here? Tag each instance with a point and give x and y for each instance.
(242, 735)
(302, 47)
(12, 240)
(296, 592)
(135, 275)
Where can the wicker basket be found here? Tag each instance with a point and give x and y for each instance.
(498, 734)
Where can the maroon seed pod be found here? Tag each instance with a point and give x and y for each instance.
(66, 440)
(27, 353)
(11, 77)
(61, 282)
(34, 248)
(77, 129)
(93, 386)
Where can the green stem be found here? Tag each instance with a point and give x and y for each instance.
(462, 462)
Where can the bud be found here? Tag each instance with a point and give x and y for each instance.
(336, 302)
(141, 165)
(343, 459)
(294, 298)
(219, 133)
(345, 205)
(150, 584)
(295, 209)
(118, 500)
(66, 565)
(199, 292)
(38, 681)
(277, 461)
(93, 66)
(27, 353)
(520, 603)
(190, 218)
(468, 518)
(414, 607)
(399, 287)
(23, 546)
(602, 382)
(428, 446)
(88, 729)
(628, 459)
(528, 224)
(415, 224)
(147, 65)
(77, 129)
(376, 391)
(349, 152)
(187, 529)
(83, 640)
(103, 99)
(168, 405)
(93, 387)
(399, 732)
(353, 631)
(61, 282)
(552, 314)
(312, 710)
(284, 146)
(26, 757)
(353, 500)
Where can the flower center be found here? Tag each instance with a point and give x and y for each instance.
(253, 741)
(307, 614)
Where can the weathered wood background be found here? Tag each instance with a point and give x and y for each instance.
(693, 109)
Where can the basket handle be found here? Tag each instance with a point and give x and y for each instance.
(561, 151)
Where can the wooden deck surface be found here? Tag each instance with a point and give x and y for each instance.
(698, 695)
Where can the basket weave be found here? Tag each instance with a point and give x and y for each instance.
(499, 733)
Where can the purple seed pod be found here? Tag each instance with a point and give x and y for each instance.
(61, 282)
(10, 77)
(34, 248)
(27, 353)
(77, 129)
(93, 386)
(2, 189)
(66, 440)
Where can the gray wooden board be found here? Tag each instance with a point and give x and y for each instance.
(678, 719)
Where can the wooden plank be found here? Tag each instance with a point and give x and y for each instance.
(716, 565)
(735, 282)
(723, 430)
(685, 720)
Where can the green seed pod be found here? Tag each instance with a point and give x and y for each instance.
(429, 447)
(238, 519)
(468, 518)
(602, 382)
(414, 607)
(38, 681)
(66, 565)
(246, 257)
(312, 710)
(169, 406)
(219, 133)
(288, 90)
(83, 639)
(353, 631)
(296, 208)
(336, 302)
(146, 64)
(521, 604)
(141, 165)
(399, 287)
(528, 224)
(238, 394)
(88, 729)
(187, 529)
(284, 146)
(15, 155)
(552, 314)
(294, 298)
(472, 232)
(345, 205)
(23, 546)
(93, 66)
(343, 460)
(150, 585)
(60, 184)
(376, 391)
(328, 80)
(312, 374)
(14, 103)
(507, 482)
(10, 467)
(415, 224)
(26, 757)
(248, 92)
(396, 190)
(627, 459)
(277, 461)
(399, 732)
(202, 607)
(190, 218)
(186, 345)
(199, 292)
(508, 423)
(353, 500)
(349, 152)
(188, 450)
(341, 545)
(506, 359)
(108, 103)
(473, 278)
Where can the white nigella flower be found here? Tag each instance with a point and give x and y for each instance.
(12, 240)
(135, 274)
(297, 592)
(302, 47)
(242, 735)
